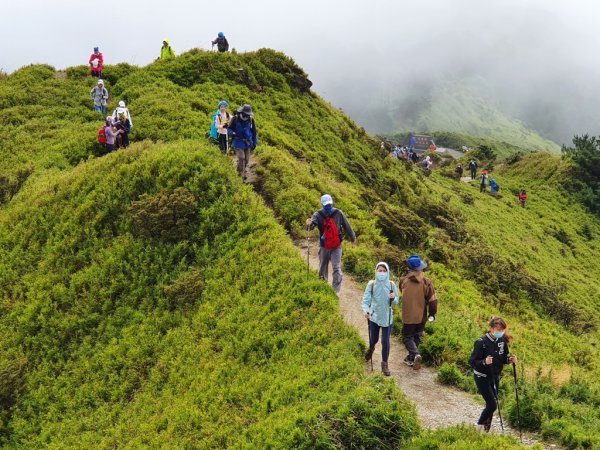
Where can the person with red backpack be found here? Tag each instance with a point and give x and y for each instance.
(522, 198)
(333, 226)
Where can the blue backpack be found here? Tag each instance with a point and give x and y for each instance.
(213, 128)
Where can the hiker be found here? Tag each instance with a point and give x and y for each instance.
(522, 198)
(490, 354)
(414, 157)
(473, 168)
(124, 125)
(166, 51)
(100, 95)
(242, 128)
(122, 110)
(221, 41)
(110, 135)
(222, 118)
(412, 142)
(427, 162)
(494, 188)
(380, 294)
(418, 302)
(459, 171)
(483, 181)
(333, 226)
(96, 61)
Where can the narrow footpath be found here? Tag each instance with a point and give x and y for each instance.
(437, 405)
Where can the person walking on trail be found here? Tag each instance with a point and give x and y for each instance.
(333, 226)
(473, 168)
(221, 122)
(100, 95)
(110, 134)
(96, 62)
(166, 51)
(418, 302)
(483, 181)
(221, 41)
(490, 355)
(242, 128)
(380, 294)
(459, 171)
(427, 162)
(414, 157)
(494, 188)
(122, 110)
(522, 197)
(124, 126)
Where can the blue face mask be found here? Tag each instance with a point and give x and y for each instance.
(498, 334)
(328, 209)
(381, 276)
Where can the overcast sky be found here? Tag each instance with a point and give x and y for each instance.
(353, 50)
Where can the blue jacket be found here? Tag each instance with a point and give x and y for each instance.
(376, 301)
(243, 132)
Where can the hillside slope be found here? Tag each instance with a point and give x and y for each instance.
(462, 106)
(149, 299)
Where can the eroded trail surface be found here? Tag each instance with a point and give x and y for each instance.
(437, 405)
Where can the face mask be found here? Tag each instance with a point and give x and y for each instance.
(381, 276)
(328, 209)
(498, 334)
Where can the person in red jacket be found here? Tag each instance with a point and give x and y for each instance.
(522, 197)
(96, 61)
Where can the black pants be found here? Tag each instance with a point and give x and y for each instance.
(485, 386)
(482, 188)
(223, 142)
(473, 173)
(385, 339)
(412, 336)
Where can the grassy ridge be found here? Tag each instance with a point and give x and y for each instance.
(128, 334)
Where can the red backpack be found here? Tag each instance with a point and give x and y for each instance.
(102, 135)
(331, 235)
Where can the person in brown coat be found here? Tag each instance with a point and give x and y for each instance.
(418, 302)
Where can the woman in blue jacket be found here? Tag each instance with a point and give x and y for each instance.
(242, 129)
(377, 302)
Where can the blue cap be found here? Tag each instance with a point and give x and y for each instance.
(221, 34)
(326, 200)
(223, 103)
(415, 262)
(96, 49)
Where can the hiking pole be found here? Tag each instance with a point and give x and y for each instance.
(517, 397)
(496, 396)
(307, 251)
(369, 333)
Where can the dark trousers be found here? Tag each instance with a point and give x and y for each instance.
(473, 173)
(97, 73)
(412, 336)
(385, 339)
(485, 386)
(482, 188)
(223, 142)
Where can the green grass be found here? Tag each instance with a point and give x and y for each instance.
(148, 298)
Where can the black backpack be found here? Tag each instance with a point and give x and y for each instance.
(222, 44)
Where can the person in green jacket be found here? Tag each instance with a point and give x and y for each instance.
(166, 51)
(380, 294)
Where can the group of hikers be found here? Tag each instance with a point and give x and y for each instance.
(408, 153)
(167, 52)
(483, 181)
(419, 304)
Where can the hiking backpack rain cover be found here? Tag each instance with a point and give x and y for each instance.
(331, 235)
(102, 135)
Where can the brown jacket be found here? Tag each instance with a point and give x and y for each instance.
(418, 295)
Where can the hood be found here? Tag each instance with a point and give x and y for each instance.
(387, 277)
(416, 276)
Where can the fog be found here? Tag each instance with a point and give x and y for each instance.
(537, 57)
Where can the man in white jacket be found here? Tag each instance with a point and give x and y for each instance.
(122, 110)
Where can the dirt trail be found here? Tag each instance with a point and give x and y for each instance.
(437, 405)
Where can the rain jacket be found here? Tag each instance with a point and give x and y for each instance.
(100, 59)
(376, 299)
(418, 296)
(99, 95)
(167, 52)
(243, 132)
(494, 185)
(117, 112)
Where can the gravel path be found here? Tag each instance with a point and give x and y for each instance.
(437, 405)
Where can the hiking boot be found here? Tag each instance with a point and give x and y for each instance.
(385, 369)
(417, 362)
(488, 425)
(369, 353)
(408, 361)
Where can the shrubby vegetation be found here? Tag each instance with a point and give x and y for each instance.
(144, 292)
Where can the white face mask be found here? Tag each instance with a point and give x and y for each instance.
(381, 276)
